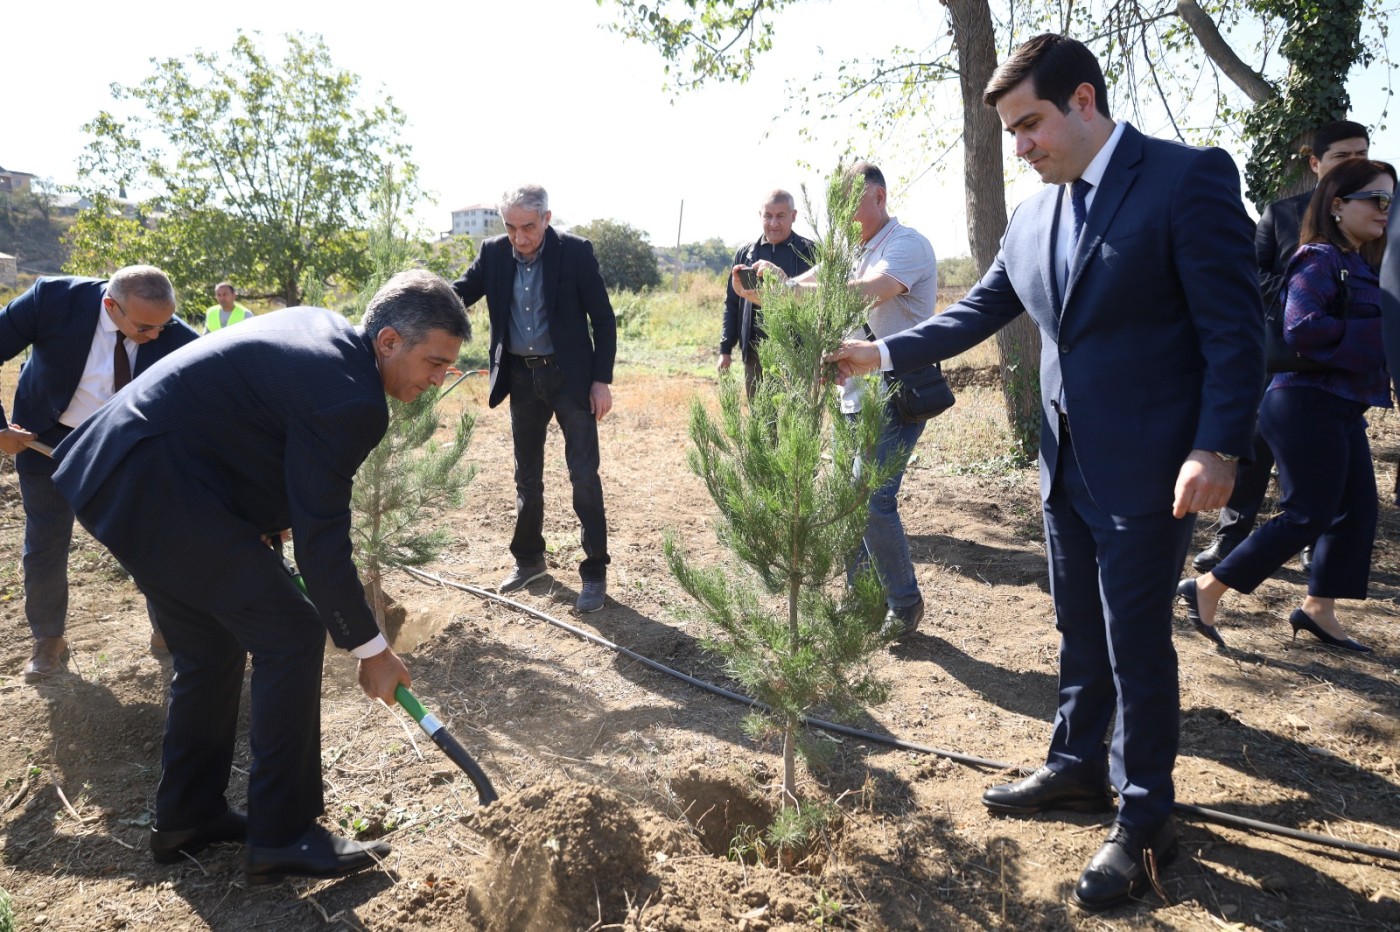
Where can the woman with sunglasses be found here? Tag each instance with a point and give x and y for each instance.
(1313, 421)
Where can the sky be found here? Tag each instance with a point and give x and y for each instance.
(539, 91)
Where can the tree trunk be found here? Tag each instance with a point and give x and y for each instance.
(1019, 342)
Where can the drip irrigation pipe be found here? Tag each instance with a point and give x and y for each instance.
(1186, 809)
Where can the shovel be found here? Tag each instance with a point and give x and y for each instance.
(431, 725)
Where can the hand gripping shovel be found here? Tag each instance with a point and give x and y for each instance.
(431, 725)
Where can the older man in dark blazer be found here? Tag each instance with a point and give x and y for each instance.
(553, 342)
(87, 337)
(260, 429)
(1136, 265)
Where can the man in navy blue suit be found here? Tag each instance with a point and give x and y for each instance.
(79, 333)
(182, 476)
(1137, 266)
(553, 342)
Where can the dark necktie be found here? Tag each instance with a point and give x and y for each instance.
(121, 365)
(1079, 204)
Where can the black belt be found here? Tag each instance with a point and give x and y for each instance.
(535, 362)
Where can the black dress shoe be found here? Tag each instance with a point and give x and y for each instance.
(317, 853)
(1047, 789)
(1119, 871)
(1218, 550)
(1186, 591)
(902, 622)
(1305, 559)
(170, 847)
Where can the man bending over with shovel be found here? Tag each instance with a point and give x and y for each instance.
(263, 428)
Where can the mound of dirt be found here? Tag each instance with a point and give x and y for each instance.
(567, 855)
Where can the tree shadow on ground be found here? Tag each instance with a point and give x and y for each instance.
(992, 564)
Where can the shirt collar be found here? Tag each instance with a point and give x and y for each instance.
(104, 319)
(1094, 172)
(879, 238)
(533, 259)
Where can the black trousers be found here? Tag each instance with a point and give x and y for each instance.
(537, 396)
(282, 632)
(1329, 496)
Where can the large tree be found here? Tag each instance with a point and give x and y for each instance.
(259, 170)
(625, 256)
(1185, 63)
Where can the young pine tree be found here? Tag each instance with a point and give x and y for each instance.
(406, 481)
(792, 494)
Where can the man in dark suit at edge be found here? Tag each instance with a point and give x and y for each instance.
(553, 343)
(87, 339)
(260, 429)
(1137, 266)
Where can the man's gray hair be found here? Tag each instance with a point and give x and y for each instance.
(415, 303)
(527, 197)
(779, 196)
(141, 281)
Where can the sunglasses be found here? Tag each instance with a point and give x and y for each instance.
(1382, 198)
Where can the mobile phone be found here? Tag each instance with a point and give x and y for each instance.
(749, 279)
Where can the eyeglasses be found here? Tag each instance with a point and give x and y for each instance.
(140, 328)
(1382, 198)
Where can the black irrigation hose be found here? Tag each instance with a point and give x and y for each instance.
(1185, 809)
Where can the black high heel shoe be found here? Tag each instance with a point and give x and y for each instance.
(1301, 622)
(1186, 591)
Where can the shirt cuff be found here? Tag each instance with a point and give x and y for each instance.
(371, 648)
(885, 364)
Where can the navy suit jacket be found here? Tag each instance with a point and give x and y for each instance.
(257, 429)
(1157, 346)
(56, 319)
(581, 323)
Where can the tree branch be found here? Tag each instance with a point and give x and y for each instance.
(1219, 51)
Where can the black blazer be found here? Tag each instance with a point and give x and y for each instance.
(581, 323)
(1275, 242)
(258, 428)
(56, 320)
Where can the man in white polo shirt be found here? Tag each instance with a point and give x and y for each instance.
(897, 271)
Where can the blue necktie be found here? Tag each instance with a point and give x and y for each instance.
(1079, 204)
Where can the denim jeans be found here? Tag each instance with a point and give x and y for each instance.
(536, 395)
(48, 532)
(885, 545)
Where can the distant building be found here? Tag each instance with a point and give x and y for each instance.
(477, 221)
(9, 270)
(14, 182)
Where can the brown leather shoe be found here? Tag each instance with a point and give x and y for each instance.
(47, 659)
(158, 645)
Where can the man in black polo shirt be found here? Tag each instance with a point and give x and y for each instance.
(782, 247)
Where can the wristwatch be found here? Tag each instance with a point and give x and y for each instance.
(1226, 457)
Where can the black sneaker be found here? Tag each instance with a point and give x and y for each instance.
(522, 576)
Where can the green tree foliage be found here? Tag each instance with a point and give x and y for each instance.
(408, 479)
(625, 256)
(957, 272)
(781, 476)
(260, 170)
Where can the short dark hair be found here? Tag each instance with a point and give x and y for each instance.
(1329, 134)
(416, 303)
(869, 172)
(1349, 177)
(1056, 65)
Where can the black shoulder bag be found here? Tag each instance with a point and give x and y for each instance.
(919, 394)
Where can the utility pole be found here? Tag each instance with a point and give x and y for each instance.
(676, 281)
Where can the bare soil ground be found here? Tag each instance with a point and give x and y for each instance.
(622, 789)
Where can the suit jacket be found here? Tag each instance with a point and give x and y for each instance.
(56, 319)
(1390, 306)
(260, 429)
(1157, 346)
(1275, 242)
(581, 323)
